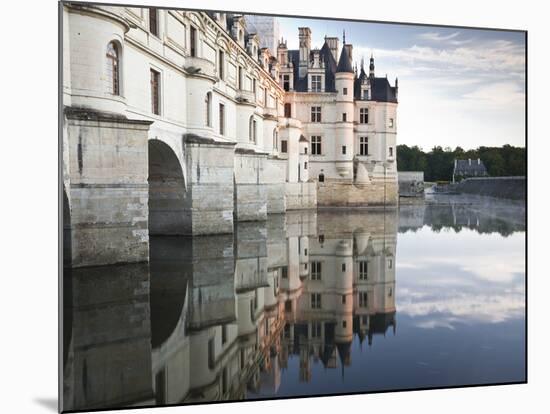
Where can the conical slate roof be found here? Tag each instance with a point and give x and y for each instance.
(344, 63)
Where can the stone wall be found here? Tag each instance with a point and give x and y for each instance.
(513, 188)
(107, 188)
(411, 183)
(250, 198)
(301, 195)
(335, 194)
(210, 191)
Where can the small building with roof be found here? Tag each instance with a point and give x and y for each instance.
(468, 168)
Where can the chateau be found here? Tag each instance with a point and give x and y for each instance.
(179, 122)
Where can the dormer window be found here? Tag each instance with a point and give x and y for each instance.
(316, 83)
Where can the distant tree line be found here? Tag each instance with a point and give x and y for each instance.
(438, 164)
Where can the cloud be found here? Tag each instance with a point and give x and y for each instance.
(437, 37)
(500, 93)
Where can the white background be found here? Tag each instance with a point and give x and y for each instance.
(28, 148)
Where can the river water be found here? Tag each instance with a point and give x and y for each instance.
(307, 303)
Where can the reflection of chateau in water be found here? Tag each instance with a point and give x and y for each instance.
(464, 212)
(227, 312)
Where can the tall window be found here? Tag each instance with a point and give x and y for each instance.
(222, 119)
(284, 148)
(315, 270)
(345, 91)
(391, 122)
(221, 63)
(363, 299)
(288, 110)
(252, 129)
(316, 83)
(275, 139)
(315, 301)
(254, 88)
(240, 78)
(155, 92)
(153, 21)
(211, 353)
(265, 97)
(363, 266)
(315, 114)
(193, 41)
(316, 330)
(391, 151)
(344, 117)
(343, 150)
(363, 146)
(286, 82)
(113, 71)
(316, 145)
(364, 115)
(208, 105)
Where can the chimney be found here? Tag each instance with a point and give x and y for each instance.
(350, 50)
(282, 52)
(305, 47)
(332, 43)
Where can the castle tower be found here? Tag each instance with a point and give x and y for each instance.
(344, 78)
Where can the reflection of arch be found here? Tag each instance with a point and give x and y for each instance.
(166, 190)
(67, 278)
(67, 240)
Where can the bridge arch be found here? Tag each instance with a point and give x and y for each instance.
(167, 190)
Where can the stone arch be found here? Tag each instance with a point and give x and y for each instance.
(167, 191)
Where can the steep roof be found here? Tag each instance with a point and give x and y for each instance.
(470, 167)
(344, 63)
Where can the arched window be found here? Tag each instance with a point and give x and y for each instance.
(208, 105)
(113, 68)
(252, 129)
(275, 139)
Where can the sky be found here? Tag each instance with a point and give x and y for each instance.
(457, 87)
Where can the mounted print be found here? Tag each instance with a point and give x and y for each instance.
(263, 206)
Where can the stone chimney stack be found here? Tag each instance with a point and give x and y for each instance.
(350, 50)
(332, 43)
(305, 47)
(282, 52)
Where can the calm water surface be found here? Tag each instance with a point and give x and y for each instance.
(306, 303)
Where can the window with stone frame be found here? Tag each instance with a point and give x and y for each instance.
(315, 271)
(363, 299)
(364, 115)
(153, 21)
(221, 64)
(284, 148)
(363, 146)
(316, 301)
(222, 119)
(288, 110)
(315, 83)
(193, 41)
(155, 92)
(113, 68)
(315, 114)
(286, 82)
(363, 270)
(316, 145)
